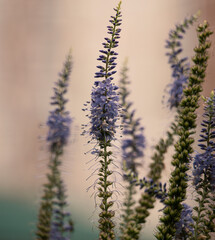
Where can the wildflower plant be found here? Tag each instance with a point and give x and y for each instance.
(180, 66)
(133, 144)
(104, 113)
(53, 222)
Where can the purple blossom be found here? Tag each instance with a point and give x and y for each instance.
(104, 109)
(180, 67)
(157, 190)
(59, 120)
(59, 128)
(133, 142)
(204, 163)
(184, 225)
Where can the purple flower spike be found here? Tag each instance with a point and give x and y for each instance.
(204, 162)
(133, 142)
(104, 96)
(180, 67)
(59, 128)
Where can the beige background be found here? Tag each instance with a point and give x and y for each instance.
(36, 35)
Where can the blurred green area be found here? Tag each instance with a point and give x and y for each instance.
(18, 220)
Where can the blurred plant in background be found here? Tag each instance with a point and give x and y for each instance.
(133, 144)
(53, 222)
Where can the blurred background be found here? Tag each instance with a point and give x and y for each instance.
(35, 37)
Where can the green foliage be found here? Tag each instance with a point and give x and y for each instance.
(183, 148)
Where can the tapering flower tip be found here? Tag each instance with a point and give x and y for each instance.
(108, 55)
(180, 67)
(184, 225)
(104, 98)
(62, 85)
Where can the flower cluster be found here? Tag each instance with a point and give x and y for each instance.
(204, 163)
(184, 225)
(59, 128)
(133, 142)
(59, 120)
(157, 190)
(133, 146)
(104, 110)
(180, 67)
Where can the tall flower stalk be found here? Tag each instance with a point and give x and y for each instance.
(53, 222)
(133, 144)
(204, 175)
(183, 148)
(104, 112)
(180, 71)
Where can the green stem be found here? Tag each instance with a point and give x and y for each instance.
(129, 228)
(198, 229)
(46, 206)
(106, 225)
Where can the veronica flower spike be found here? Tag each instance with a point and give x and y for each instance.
(133, 144)
(204, 175)
(53, 222)
(180, 66)
(103, 115)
